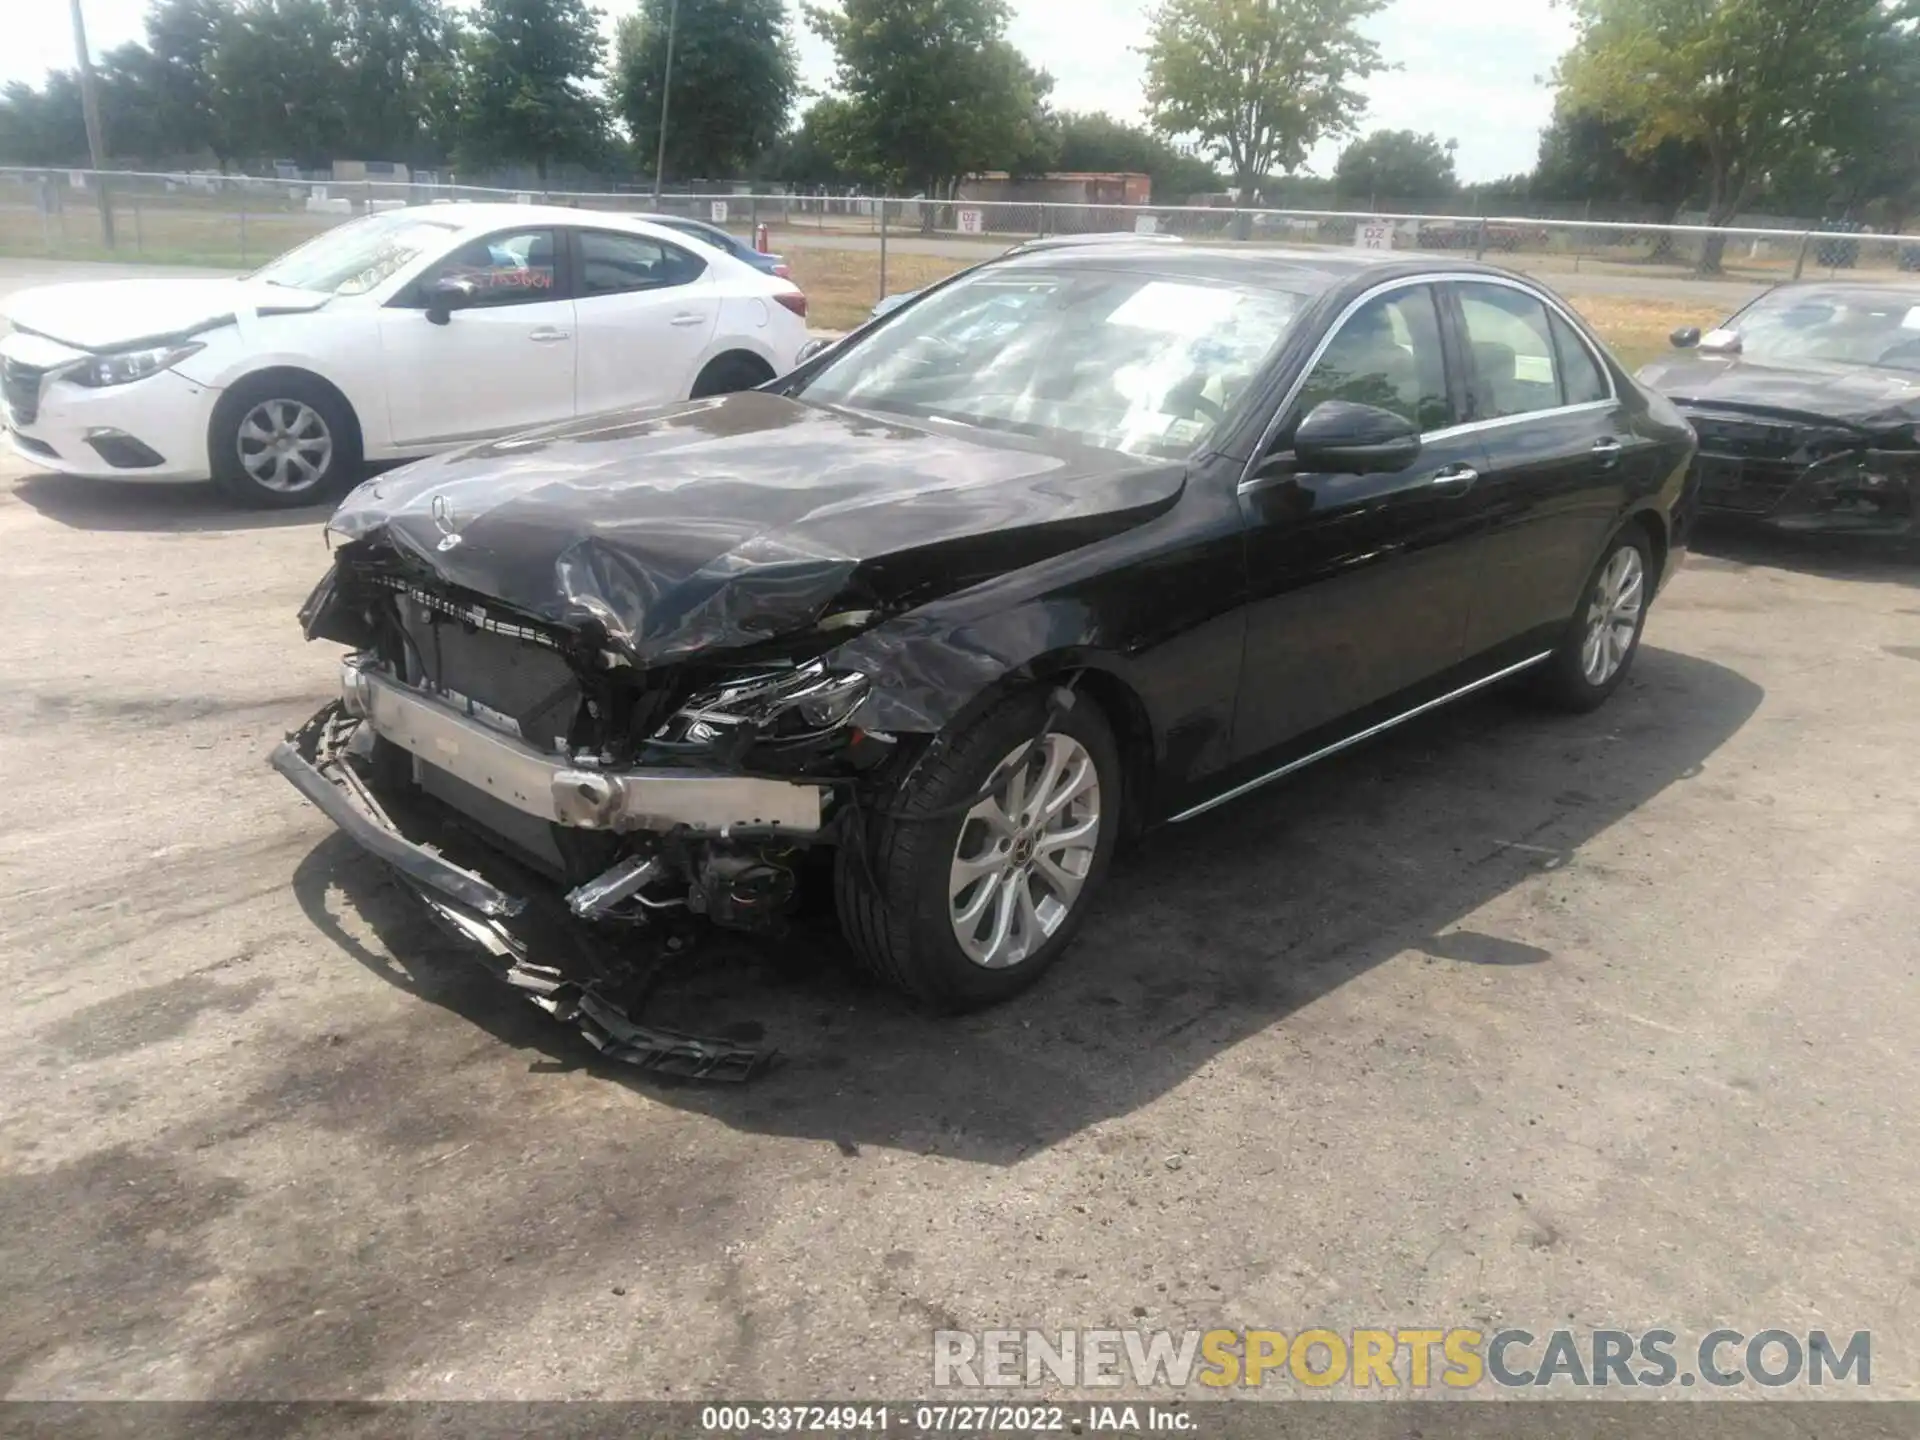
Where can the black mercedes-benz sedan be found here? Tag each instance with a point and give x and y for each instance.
(1074, 542)
(1807, 405)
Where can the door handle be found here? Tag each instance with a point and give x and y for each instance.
(1606, 450)
(548, 335)
(1453, 479)
(688, 320)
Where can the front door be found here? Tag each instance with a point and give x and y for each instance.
(1560, 449)
(647, 310)
(502, 364)
(1360, 583)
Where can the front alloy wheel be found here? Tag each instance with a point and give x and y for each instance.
(978, 860)
(1024, 853)
(285, 447)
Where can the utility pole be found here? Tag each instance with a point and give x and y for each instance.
(666, 93)
(90, 109)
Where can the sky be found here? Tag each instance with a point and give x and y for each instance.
(1466, 70)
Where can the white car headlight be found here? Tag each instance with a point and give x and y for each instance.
(127, 366)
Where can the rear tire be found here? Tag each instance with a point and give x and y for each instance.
(925, 895)
(281, 440)
(1597, 648)
(728, 373)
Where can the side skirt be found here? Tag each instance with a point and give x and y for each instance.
(1348, 741)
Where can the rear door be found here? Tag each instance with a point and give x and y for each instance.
(502, 364)
(1360, 584)
(1559, 448)
(647, 311)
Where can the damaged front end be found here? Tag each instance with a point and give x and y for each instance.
(649, 803)
(1809, 476)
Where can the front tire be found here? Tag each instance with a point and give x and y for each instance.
(963, 900)
(277, 441)
(1603, 636)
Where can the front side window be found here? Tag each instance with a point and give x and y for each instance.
(1515, 368)
(1387, 354)
(1143, 363)
(351, 259)
(512, 268)
(613, 264)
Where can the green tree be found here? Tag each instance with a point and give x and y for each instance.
(182, 36)
(43, 127)
(814, 152)
(1756, 85)
(524, 95)
(933, 90)
(1099, 142)
(734, 78)
(1584, 156)
(1258, 82)
(278, 81)
(397, 55)
(1397, 164)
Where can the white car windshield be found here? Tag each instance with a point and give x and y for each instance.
(1149, 364)
(1880, 328)
(351, 259)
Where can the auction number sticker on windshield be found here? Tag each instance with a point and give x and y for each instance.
(1911, 320)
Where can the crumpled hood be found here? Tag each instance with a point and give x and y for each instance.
(1857, 395)
(121, 314)
(721, 523)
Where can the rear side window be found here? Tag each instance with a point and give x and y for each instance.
(1581, 382)
(1516, 371)
(612, 263)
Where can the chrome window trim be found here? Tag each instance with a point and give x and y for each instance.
(1354, 739)
(1468, 427)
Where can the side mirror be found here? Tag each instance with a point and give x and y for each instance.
(1343, 438)
(1685, 338)
(812, 348)
(446, 295)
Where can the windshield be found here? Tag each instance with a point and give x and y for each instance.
(351, 259)
(1851, 327)
(1142, 363)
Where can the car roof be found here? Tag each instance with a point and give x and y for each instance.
(472, 215)
(1280, 267)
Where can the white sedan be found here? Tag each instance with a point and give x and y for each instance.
(392, 336)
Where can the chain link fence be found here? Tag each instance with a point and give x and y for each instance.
(850, 250)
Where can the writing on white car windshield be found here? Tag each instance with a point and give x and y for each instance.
(1147, 364)
(353, 258)
(1845, 326)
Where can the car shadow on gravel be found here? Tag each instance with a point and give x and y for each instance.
(83, 504)
(1206, 933)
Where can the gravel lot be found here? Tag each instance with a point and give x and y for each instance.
(1506, 1019)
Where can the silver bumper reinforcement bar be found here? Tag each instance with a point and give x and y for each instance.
(551, 788)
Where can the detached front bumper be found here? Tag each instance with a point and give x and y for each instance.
(329, 762)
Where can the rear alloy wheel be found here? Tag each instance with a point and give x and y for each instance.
(962, 898)
(1604, 633)
(282, 442)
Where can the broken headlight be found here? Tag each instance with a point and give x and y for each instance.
(809, 699)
